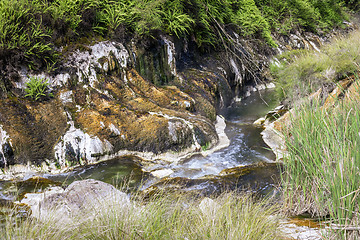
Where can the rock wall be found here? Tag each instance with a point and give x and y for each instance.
(103, 107)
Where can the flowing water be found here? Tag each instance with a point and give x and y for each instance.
(224, 169)
(246, 145)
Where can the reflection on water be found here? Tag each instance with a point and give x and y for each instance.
(118, 171)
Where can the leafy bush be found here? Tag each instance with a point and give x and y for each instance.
(111, 17)
(21, 31)
(309, 14)
(37, 88)
(251, 20)
(177, 22)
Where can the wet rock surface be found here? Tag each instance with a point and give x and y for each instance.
(260, 178)
(103, 108)
(112, 99)
(33, 129)
(302, 229)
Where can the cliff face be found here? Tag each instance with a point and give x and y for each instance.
(102, 108)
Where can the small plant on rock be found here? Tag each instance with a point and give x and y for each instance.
(37, 88)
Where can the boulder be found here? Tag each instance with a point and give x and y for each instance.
(80, 201)
(161, 173)
(209, 207)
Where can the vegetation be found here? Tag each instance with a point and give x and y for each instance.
(32, 28)
(311, 14)
(321, 174)
(205, 146)
(230, 216)
(37, 88)
(301, 72)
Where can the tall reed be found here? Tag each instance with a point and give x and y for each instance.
(322, 169)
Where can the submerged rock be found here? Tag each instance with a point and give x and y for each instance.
(260, 178)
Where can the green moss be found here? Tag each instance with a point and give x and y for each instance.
(152, 65)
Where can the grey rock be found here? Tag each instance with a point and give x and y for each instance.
(80, 201)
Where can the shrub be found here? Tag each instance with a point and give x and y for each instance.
(37, 88)
(30, 27)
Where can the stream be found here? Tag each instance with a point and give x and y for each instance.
(245, 164)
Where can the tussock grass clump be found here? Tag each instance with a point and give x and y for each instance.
(303, 72)
(322, 169)
(230, 216)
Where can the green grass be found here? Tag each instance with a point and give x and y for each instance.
(303, 72)
(322, 169)
(161, 217)
(21, 31)
(31, 28)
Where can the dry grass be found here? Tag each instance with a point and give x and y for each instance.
(304, 72)
(229, 216)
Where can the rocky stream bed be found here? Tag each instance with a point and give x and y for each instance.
(154, 120)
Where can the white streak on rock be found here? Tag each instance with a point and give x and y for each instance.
(4, 138)
(188, 123)
(114, 129)
(83, 145)
(170, 48)
(66, 97)
(314, 46)
(238, 77)
(60, 79)
(162, 173)
(172, 130)
(224, 141)
(86, 62)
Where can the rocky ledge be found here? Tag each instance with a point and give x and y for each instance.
(277, 122)
(103, 108)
